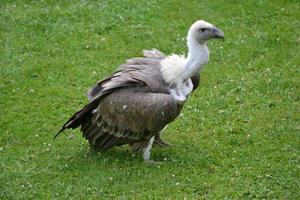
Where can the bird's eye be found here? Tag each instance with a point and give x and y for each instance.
(202, 29)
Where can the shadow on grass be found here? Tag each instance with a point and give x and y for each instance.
(121, 157)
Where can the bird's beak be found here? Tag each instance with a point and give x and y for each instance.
(217, 33)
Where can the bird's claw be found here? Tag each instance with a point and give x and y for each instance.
(162, 144)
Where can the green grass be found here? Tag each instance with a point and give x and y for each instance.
(237, 136)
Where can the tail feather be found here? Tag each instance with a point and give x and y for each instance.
(111, 142)
(80, 117)
(94, 132)
(103, 140)
(61, 130)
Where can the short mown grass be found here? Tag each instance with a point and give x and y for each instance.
(237, 136)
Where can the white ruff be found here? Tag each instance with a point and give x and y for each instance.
(172, 67)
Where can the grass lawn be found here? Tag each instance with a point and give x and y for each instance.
(238, 135)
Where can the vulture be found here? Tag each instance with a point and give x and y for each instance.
(134, 104)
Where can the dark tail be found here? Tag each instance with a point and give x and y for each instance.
(80, 117)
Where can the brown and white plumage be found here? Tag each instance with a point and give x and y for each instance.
(134, 104)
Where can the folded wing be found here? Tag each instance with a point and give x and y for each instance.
(130, 106)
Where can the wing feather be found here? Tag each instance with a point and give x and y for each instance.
(131, 114)
(120, 77)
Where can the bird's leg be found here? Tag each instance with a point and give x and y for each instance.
(146, 153)
(147, 149)
(159, 142)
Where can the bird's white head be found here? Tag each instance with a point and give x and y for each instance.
(177, 69)
(201, 31)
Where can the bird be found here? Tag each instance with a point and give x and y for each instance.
(135, 103)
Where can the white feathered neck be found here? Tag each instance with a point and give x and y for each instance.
(178, 68)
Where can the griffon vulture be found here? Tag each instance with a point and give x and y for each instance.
(145, 94)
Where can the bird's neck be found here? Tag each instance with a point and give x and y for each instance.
(198, 55)
(178, 69)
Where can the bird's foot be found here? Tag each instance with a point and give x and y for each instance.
(161, 144)
(152, 162)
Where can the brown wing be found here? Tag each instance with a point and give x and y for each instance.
(130, 73)
(136, 72)
(130, 115)
(130, 105)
